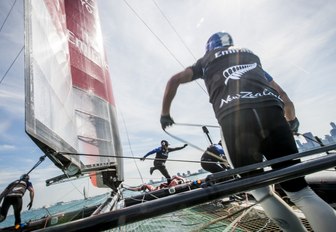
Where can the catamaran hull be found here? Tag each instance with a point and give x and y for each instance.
(195, 197)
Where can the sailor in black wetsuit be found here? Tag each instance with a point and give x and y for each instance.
(213, 159)
(161, 158)
(257, 119)
(13, 196)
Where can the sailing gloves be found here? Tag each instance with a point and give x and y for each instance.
(294, 125)
(165, 121)
(30, 205)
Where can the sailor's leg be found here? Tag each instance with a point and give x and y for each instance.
(2, 218)
(156, 165)
(165, 173)
(4, 209)
(276, 209)
(320, 215)
(17, 205)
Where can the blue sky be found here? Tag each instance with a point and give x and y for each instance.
(146, 43)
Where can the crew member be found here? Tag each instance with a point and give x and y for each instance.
(13, 197)
(161, 158)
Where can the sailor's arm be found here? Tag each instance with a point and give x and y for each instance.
(150, 153)
(288, 104)
(288, 108)
(170, 92)
(177, 148)
(31, 194)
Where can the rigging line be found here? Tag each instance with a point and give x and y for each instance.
(162, 43)
(174, 29)
(4, 193)
(7, 16)
(311, 139)
(235, 222)
(220, 159)
(244, 211)
(252, 167)
(11, 65)
(130, 146)
(195, 125)
(129, 157)
(225, 217)
(183, 42)
(262, 229)
(73, 185)
(316, 140)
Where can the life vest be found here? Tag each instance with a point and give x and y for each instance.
(162, 155)
(19, 188)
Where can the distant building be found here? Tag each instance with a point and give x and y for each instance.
(330, 139)
(333, 130)
(312, 141)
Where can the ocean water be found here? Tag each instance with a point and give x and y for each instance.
(54, 209)
(61, 207)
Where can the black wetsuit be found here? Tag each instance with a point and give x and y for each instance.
(161, 158)
(14, 198)
(212, 164)
(248, 110)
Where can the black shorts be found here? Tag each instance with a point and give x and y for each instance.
(252, 134)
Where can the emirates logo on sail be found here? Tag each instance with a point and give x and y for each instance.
(235, 72)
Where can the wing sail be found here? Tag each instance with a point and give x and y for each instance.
(70, 106)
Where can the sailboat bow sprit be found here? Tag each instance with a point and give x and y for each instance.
(69, 100)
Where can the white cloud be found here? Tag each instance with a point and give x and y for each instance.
(6, 147)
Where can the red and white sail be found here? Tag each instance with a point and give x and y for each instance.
(70, 106)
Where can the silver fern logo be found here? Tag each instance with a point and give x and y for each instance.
(235, 72)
